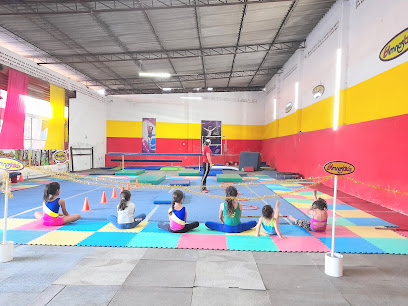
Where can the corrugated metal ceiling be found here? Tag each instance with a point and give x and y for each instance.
(126, 29)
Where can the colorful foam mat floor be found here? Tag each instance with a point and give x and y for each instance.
(357, 231)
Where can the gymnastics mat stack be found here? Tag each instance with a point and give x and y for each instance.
(150, 179)
(229, 178)
(189, 173)
(130, 172)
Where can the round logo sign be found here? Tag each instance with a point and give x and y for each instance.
(318, 91)
(288, 107)
(338, 168)
(10, 164)
(60, 156)
(397, 46)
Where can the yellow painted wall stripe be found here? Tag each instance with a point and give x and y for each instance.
(173, 130)
(242, 132)
(131, 129)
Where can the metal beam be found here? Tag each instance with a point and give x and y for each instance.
(183, 78)
(160, 43)
(285, 20)
(53, 7)
(200, 44)
(172, 54)
(241, 25)
(180, 90)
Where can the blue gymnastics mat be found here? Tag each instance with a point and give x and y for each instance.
(164, 198)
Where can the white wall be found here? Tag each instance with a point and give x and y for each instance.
(362, 28)
(87, 128)
(230, 108)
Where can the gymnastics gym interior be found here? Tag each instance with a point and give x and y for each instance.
(285, 100)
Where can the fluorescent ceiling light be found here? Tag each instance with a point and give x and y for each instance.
(197, 89)
(101, 92)
(166, 89)
(155, 74)
(192, 98)
(210, 89)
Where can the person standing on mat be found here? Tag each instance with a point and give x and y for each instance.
(230, 215)
(51, 206)
(178, 216)
(207, 164)
(126, 213)
(318, 216)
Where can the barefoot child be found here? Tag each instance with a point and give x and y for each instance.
(51, 206)
(318, 216)
(178, 216)
(126, 213)
(269, 221)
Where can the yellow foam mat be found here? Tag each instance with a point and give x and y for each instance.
(14, 223)
(292, 185)
(353, 214)
(302, 205)
(61, 238)
(372, 232)
(111, 228)
(323, 196)
(250, 232)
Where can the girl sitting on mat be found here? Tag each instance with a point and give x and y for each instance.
(51, 206)
(126, 213)
(318, 216)
(230, 215)
(178, 216)
(269, 221)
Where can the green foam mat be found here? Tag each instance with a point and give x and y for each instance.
(171, 168)
(130, 172)
(267, 168)
(150, 179)
(229, 178)
(117, 168)
(189, 173)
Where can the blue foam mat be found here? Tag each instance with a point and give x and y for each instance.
(352, 245)
(164, 198)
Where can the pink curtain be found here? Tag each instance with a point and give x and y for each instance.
(12, 131)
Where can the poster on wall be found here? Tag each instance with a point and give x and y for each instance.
(37, 157)
(212, 130)
(149, 135)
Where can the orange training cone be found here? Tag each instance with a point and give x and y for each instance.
(103, 200)
(21, 178)
(137, 183)
(123, 188)
(86, 205)
(114, 195)
(128, 186)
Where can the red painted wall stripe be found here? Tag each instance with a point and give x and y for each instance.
(378, 149)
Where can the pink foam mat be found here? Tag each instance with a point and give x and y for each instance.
(37, 226)
(300, 244)
(341, 231)
(196, 241)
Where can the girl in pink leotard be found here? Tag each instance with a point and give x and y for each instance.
(318, 216)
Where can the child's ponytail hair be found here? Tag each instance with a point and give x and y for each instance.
(178, 196)
(231, 192)
(319, 204)
(50, 190)
(267, 211)
(124, 198)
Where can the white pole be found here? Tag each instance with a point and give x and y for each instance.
(5, 209)
(334, 215)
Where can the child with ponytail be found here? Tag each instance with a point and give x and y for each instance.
(51, 205)
(126, 213)
(230, 215)
(178, 216)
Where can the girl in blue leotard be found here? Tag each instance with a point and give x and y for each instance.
(230, 215)
(269, 221)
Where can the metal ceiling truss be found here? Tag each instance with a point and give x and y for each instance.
(179, 90)
(183, 78)
(200, 44)
(284, 21)
(53, 7)
(172, 54)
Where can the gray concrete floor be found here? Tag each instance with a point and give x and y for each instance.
(50, 275)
